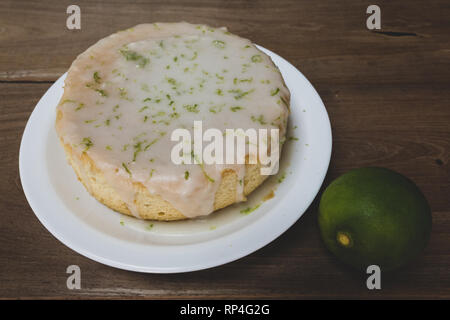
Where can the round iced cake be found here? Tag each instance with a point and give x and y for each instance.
(126, 94)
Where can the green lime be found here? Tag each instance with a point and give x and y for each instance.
(374, 216)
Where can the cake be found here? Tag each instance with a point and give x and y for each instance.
(126, 94)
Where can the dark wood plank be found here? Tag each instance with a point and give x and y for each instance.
(388, 101)
(327, 40)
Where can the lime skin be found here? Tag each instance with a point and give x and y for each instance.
(374, 216)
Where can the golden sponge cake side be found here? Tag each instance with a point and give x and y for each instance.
(153, 207)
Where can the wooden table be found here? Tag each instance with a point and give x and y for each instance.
(387, 94)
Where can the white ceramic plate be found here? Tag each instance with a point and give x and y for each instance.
(80, 222)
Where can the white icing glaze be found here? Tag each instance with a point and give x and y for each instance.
(126, 94)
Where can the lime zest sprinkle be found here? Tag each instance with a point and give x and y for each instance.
(236, 80)
(194, 56)
(192, 108)
(256, 58)
(67, 101)
(216, 109)
(281, 177)
(236, 108)
(172, 81)
(219, 44)
(130, 55)
(274, 92)
(249, 210)
(239, 94)
(96, 77)
(80, 106)
(260, 119)
(126, 168)
(87, 142)
(101, 92)
(174, 115)
(150, 144)
(137, 149)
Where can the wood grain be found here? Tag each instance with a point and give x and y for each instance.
(387, 95)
